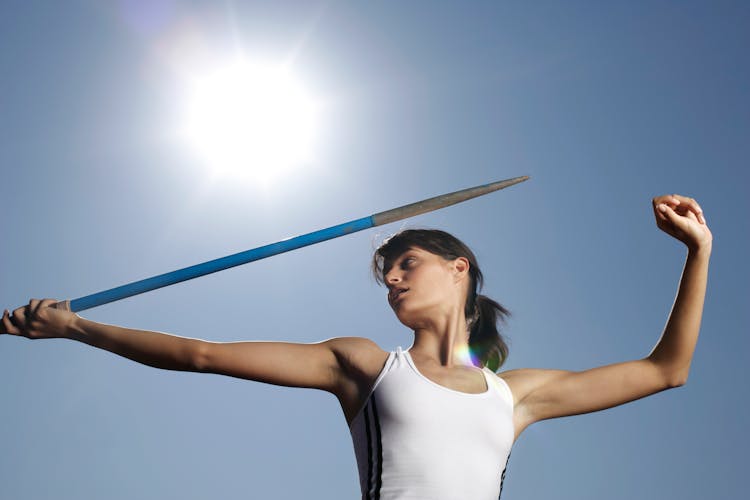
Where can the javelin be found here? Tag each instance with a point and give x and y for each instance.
(212, 266)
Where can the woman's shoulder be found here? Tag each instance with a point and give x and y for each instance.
(523, 381)
(358, 354)
(358, 342)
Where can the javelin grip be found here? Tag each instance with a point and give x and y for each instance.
(63, 305)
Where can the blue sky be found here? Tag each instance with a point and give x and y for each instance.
(604, 106)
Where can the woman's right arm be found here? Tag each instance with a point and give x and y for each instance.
(322, 365)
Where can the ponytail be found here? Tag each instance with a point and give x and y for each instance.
(486, 344)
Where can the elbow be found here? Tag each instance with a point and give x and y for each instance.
(200, 356)
(675, 379)
(675, 382)
(670, 376)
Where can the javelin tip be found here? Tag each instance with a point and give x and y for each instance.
(442, 201)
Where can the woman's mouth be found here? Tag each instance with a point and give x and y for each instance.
(396, 293)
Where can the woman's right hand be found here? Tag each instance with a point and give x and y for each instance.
(37, 320)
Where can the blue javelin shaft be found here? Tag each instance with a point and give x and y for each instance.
(212, 266)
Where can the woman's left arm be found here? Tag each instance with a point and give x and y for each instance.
(543, 394)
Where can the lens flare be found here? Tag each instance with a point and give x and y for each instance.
(466, 356)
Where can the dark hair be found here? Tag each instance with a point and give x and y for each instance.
(486, 344)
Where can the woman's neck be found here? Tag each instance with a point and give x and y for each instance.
(444, 342)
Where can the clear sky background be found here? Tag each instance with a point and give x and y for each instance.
(604, 105)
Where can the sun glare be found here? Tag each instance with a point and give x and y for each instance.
(251, 121)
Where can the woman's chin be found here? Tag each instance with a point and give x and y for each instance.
(403, 317)
(409, 319)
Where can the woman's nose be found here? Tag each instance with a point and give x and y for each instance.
(392, 277)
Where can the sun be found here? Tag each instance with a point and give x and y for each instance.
(250, 120)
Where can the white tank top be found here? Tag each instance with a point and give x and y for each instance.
(415, 439)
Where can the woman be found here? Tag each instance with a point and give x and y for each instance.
(427, 423)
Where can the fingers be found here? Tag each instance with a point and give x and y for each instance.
(671, 222)
(681, 205)
(34, 305)
(8, 326)
(666, 198)
(18, 316)
(20, 321)
(689, 205)
(667, 212)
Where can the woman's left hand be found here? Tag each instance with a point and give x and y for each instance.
(682, 218)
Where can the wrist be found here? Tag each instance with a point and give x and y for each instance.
(701, 250)
(74, 328)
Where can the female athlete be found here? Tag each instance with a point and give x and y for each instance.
(435, 421)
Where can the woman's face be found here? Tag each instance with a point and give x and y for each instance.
(422, 285)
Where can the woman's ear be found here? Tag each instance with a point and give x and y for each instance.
(461, 266)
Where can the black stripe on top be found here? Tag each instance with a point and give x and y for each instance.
(374, 442)
(379, 463)
(369, 452)
(502, 477)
